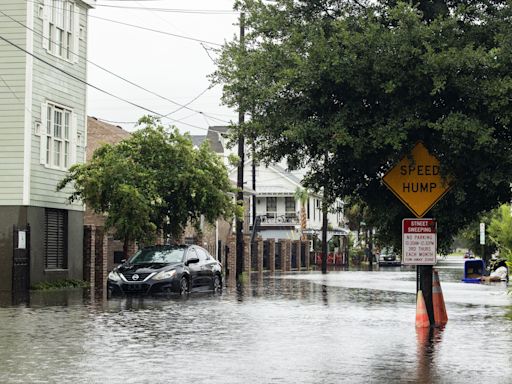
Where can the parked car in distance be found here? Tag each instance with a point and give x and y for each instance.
(166, 269)
(388, 256)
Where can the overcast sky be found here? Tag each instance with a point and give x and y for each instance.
(171, 67)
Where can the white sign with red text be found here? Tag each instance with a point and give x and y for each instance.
(419, 241)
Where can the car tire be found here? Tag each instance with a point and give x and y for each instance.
(184, 286)
(217, 284)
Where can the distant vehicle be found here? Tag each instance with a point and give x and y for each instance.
(469, 254)
(388, 256)
(166, 269)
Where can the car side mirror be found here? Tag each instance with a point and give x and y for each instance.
(192, 260)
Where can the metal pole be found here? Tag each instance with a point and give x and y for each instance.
(253, 185)
(426, 288)
(240, 175)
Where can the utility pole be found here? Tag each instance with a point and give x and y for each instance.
(325, 209)
(253, 186)
(324, 232)
(240, 174)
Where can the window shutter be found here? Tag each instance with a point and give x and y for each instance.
(43, 133)
(46, 24)
(73, 139)
(76, 33)
(56, 239)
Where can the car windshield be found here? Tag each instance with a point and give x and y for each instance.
(387, 251)
(163, 256)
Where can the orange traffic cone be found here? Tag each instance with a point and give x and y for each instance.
(422, 320)
(440, 315)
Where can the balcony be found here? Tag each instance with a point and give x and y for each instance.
(271, 218)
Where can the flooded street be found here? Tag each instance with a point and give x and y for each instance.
(343, 327)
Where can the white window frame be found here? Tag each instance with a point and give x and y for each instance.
(61, 29)
(58, 135)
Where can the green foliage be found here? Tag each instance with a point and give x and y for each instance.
(59, 284)
(302, 195)
(500, 231)
(153, 180)
(348, 90)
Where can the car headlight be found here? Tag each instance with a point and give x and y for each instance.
(114, 276)
(165, 275)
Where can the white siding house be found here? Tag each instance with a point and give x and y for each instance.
(43, 52)
(276, 205)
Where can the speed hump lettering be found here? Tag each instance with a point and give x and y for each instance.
(416, 180)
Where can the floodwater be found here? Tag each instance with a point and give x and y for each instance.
(343, 327)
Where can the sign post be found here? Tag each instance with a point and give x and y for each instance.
(416, 180)
(419, 241)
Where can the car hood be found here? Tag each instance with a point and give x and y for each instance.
(146, 267)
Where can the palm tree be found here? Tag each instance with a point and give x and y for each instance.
(301, 194)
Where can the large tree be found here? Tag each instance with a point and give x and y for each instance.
(348, 88)
(154, 180)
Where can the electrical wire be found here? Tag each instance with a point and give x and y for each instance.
(140, 27)
(174, 10)
(181, 106)
(156, 31)
(93, 86)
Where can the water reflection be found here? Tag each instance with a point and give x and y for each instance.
(427, 339)
(343, 327)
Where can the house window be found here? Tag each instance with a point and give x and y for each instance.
(61, 29)
(289, 204)
(55, 243)
(271, 207)
(58, 136)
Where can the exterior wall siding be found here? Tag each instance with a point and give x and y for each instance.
(12, 103)
(53, 85)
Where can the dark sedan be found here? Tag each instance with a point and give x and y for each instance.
(388, 257)
(165, 269)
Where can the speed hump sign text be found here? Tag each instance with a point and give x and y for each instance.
(416, 180)
(419, 242)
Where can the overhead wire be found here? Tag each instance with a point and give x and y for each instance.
(181, 106)
(157, 114)
(156, 31)
(174, 10)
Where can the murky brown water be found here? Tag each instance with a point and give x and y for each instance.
(345, 327)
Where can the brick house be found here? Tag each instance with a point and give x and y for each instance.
(98, 134)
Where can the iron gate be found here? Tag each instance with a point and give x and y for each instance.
(294, 255)
(278, 255)
(21, 261)
(254, 255)
(266, 261)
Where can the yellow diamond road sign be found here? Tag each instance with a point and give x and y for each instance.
(416, 180)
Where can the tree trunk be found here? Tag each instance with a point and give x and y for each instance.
(303, 222)
(126, 242)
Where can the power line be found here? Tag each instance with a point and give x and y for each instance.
(143, 28)
(93, 86)
(174, 10)
(181, 106)
(156, 31)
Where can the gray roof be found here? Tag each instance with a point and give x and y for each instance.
(219, 128)
(197, 140)
(286, 173)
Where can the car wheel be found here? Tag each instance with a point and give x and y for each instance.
(184, 287)
(217, 284)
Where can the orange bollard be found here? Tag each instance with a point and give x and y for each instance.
(422, 320)
(440, 315)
